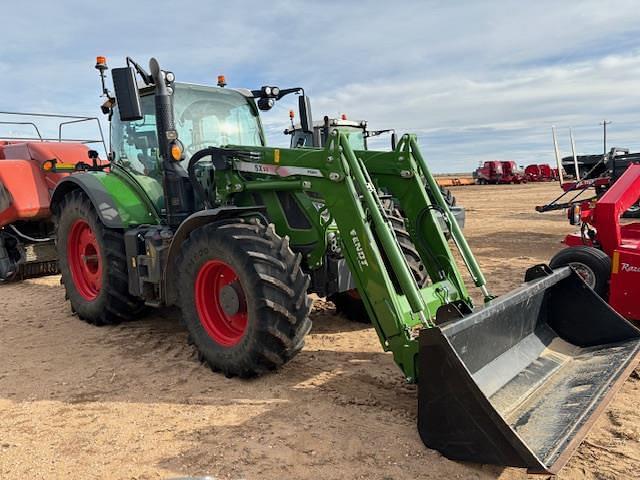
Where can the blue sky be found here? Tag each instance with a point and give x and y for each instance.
(475, 80)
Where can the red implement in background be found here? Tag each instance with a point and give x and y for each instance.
(601, 229)
(497, 172)
(30, 168)
(511, 173)
(540, 173)
(27, 183)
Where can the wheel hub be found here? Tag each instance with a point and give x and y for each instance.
(231, 298)
(585, 273)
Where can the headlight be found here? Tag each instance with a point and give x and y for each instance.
(265, 104)
(275, 91)
(267, 90)
(170, 77)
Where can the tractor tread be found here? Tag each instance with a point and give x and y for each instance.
(268, 259)
(279, 309)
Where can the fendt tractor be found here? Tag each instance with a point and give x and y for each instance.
(194, 210)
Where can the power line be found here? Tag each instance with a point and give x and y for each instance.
(604, 124)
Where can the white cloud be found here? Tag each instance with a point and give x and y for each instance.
(475, 80)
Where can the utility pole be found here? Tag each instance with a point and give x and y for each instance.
(604, 124)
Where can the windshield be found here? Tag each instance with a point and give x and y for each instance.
(356, 137)
(204, 116)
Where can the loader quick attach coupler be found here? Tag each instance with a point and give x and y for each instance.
(520, 381)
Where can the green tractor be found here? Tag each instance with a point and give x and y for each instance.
(195, 211)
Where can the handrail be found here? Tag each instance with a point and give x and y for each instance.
(24, 123)
(71, 119)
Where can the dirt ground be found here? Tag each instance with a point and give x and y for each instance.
(133, 402)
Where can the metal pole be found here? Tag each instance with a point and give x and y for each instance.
(557, 152)
(604, 124)
(575, 158)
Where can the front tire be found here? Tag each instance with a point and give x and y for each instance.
(243, 297)
(93, 264)
(592, 264)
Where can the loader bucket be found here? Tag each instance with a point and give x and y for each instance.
(520, 381)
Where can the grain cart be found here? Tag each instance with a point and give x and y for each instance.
(511, 173)
(197, 212)
(489, 172)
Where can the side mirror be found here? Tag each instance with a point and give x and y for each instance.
(127, 95)
(394, 140)
(306, 122)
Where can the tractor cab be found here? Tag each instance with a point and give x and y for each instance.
(205, 117)
(357, 131)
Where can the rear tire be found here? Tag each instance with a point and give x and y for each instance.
(593, 265)
(243, 297)
(93, 264)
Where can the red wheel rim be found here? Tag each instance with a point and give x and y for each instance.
(85, 262)
(225, 323)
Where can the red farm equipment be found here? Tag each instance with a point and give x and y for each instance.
(30, 168)
(606, 253)
(532, 173)
(489, 172)
(541, 173)
(496, 171)
(511, 173)
(546, 172)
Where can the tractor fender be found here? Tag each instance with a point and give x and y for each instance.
(100, 198)
(192, 222)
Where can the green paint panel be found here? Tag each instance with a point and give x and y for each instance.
(132, 202)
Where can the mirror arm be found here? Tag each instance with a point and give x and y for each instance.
(146, 78)
(283, 92)
(375, 133)
(287, 91)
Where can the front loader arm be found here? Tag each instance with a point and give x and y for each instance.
(349, 182)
